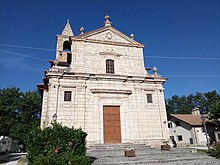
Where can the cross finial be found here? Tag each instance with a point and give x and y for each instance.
(106, 11)
(107, 18)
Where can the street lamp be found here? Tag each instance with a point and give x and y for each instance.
(206, 134)
(54, 117)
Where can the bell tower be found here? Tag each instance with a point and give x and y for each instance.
(63, 48)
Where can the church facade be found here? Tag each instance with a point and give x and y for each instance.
(98, 82)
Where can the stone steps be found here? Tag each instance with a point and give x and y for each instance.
(122, 146)
(145, 155)
(158, 162)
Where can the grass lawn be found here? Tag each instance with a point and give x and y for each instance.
(203, 152)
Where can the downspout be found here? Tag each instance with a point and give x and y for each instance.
(161, 127)
(58, 87)
(85, 106)
(84, 60)
(57, 96)
(137, 114)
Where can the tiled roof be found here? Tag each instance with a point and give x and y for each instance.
(189, 118)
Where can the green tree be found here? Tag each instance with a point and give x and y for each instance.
(179, 105)
(172, 104)
(19, 112)
(213, 104)
(207, 103)
(10, 99)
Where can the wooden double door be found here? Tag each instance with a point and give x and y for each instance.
(112, 125)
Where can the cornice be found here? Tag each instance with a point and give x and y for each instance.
(108, 42)
(106, 77)
(84, 37)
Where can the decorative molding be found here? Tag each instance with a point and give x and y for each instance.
(107, 77)
(84, 37)
(149, 90)
(110, 53)
(111, 91)
(68, 86)
(109, 35)
(103, 29)
(108, 42)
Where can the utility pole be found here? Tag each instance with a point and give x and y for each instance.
(206, 134)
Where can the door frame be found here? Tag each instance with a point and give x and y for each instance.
(119, 123)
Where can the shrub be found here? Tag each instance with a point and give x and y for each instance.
(216, 151)
(59, 159)
(55, 144)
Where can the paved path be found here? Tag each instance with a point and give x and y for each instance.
(12, 163)
(114, 155)
(10, 159)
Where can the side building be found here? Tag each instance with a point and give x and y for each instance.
(98, 82)
(188, 129)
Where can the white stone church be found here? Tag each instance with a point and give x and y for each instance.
(98, 82)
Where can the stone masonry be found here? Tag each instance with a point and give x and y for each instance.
(81, 70)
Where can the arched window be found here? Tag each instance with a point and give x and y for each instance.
(110, 66)
(66, 46)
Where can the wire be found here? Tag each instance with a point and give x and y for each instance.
(192, 76)
(169, 76)
(148, 56)
(27, 47)
(185, 58)
(22, 55)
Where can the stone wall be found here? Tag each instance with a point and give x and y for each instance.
(141, 122)
(90, 58)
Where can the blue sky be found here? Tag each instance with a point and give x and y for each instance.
(168, 28)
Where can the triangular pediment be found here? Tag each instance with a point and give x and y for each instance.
(108, 35)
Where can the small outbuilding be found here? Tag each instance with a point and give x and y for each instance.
(188, 129)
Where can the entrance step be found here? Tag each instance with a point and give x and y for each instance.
(148, 156)
(121, 146)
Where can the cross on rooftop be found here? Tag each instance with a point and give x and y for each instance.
(106, 11)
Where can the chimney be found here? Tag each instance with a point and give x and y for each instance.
(195, 111)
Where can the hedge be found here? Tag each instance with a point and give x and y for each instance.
(57, 144)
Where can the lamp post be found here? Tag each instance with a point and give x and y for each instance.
(206, 134)
(54, 117)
